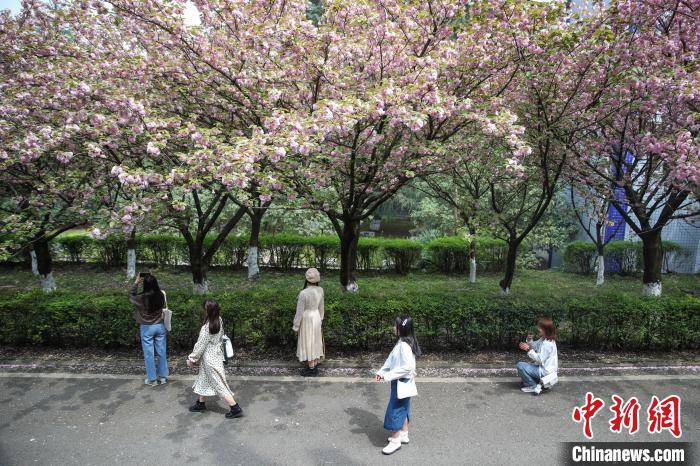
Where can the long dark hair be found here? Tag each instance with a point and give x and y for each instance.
(211, 315)
(404, 327)
(153, 298)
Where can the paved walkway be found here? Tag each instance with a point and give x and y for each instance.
(59, 418)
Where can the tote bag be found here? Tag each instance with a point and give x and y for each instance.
(167, 313)
(406, 388)
(549, 380)
(226, 348)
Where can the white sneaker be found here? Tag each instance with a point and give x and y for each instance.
(528, 389)
(403, 436)
(393, 445)
(537, 390)
(152, 383)
(162, 381)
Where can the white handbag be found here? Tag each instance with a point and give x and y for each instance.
(549, 380)
(406, 388)
(167, 313)
(227, 348)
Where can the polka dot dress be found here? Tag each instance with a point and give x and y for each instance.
(211, 379)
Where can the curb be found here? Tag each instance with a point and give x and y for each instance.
(282, 369)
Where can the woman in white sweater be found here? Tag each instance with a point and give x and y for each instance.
(400, 370)
(543, 353)
(307, 322)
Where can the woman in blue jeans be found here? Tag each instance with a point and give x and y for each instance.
(148, 313)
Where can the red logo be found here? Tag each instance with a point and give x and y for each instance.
(626, 415)
(661, 414)
(665, 415)
(587, 412)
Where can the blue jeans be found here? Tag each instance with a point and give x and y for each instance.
(530, 373)
(154, 336)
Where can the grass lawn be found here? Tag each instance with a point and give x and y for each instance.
(528, 284)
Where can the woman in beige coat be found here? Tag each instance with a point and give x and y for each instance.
(307, 322)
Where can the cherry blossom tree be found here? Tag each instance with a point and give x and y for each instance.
(592, 207)
(561, 70)
(53, 176)
(388, 84)
(214, 86)
(647, 146)
(464, 187)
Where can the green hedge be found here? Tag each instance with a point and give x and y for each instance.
(451, 254)
(579, 256)
(261, 317)
(281, 251)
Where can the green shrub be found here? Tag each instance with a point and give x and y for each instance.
(260, 317)
(579, 257)
(626, 254)
(449, 255)
(326, 249)
(402, 253)
(368, 253)
(111, 251)
(160, 249)
(75, 246)
(491, 253)
(233, 252)
(285, 250)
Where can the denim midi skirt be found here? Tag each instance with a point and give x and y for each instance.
(397, 411)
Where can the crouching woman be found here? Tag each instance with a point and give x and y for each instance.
(542, 372)
(208, 353)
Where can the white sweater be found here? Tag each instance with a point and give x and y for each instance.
(544, 353)
(400, 364)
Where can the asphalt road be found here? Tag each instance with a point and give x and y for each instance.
(56, 419)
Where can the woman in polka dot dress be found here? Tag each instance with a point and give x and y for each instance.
(207, 353)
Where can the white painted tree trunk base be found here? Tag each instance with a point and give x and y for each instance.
(600, 267)
(652, 289)
(200, 288)
(48, 284)
(35, 264)
(253, 269)
(130, 263)
(505, 291)
(472, 270)
(352, 287)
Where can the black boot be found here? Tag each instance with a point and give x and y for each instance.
(198, 407)
(236, 411)
(309, 372)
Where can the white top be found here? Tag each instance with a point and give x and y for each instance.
(544, 353)
(310, 299)
(400, 364)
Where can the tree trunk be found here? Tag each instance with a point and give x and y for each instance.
(198, 267)
(472, 261)
(44, 266)
(131, 256)
(509, 272)
(348, 254)
(254, 244)
(653, 258)
(600, 266)
(600, 270)
(32, 257)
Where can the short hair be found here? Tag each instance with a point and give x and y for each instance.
(547, 326)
